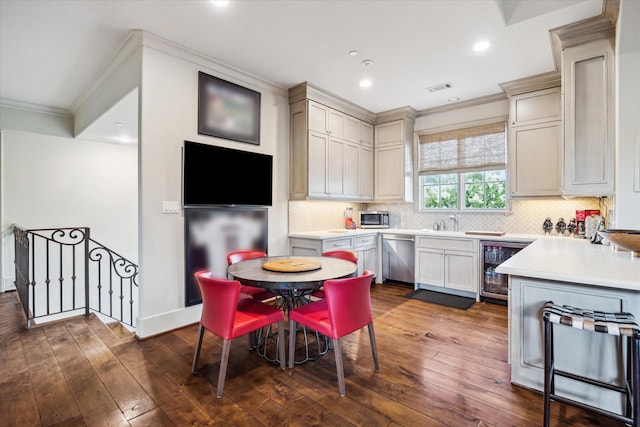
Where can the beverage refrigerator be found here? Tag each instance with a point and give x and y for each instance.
(494, 285)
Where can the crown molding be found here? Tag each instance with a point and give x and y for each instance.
(611, 9)
(38, 108)
(402, 113)
(463, 104)
(130, 47)
(221, 69)
(307, 90)
(596, 28)
(531, 83)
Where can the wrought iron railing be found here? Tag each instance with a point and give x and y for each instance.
(64, 271)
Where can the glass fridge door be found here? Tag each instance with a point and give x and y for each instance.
(493, 284)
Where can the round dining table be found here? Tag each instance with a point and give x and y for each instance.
(252, 273)
(291, 290)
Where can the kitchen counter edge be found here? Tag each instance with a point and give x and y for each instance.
(334, 234)
(575, 261)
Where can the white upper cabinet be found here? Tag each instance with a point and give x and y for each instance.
(318, 117)
(589, 119)
(337, 124)
(366, 134)
(327, 158)
(394, 161)
(352, 129)
(539, 106)
(391, 133)
(535, 143)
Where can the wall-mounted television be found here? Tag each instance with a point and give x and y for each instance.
(213, 175)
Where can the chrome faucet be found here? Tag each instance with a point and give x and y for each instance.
(455, 221)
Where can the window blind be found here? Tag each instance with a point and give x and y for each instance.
(471, 149)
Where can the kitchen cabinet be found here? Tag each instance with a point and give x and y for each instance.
(391, 133)
(335, 162)
(365, 245)
(393, 158)
(365, 170)
(589, 120)
(318, 148)
(367, 249)
(528, 296)
(328, 158)
(366, 134)
(447, 263)
(326, 120)
(300, 246)
(535, 143)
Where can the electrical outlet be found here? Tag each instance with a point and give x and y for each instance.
(170, 207)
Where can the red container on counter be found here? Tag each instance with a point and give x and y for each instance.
(581, 216)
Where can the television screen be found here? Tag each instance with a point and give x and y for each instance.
(223, 176)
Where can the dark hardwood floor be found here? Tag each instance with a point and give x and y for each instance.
(438, 366)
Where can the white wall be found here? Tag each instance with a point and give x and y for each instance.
(169, 105)
(628, 113)
(491, 110)
(50, 181)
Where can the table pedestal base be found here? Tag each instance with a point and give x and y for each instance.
(314, 343)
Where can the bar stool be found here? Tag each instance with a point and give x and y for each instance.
(620, 324)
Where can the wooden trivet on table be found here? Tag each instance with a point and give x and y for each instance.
(291, 265)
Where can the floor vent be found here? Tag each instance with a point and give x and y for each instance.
(440, 87)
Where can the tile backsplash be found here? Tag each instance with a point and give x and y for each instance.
(526, 216)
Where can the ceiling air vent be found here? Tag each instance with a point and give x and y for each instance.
(440, 87)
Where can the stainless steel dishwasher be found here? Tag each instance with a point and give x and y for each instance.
(398, 258)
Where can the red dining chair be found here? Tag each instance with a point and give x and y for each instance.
(346, 308)
(251, 291)
(228, 316)
(342, 254)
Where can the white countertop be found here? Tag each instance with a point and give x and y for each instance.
(577, 261)
(337, 233)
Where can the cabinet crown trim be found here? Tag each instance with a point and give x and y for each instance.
(306, 90)
(531, 83)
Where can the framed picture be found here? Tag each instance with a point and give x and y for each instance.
(227, 110)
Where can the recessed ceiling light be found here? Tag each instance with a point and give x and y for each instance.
(365, 83)
(119, 124)
(124, 139)
(454, 99)
(367, 63)
(353, 53)
(219, 3)
(481, 45)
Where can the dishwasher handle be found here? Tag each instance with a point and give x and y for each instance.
(398, 237)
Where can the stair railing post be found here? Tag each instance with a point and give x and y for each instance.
(86, 269)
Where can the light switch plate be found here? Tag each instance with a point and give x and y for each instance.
(170, 207)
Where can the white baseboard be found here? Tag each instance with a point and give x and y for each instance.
(8, 284)
(163, 322)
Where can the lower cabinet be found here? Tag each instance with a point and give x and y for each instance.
(451, 264)
(367, 249)
(366, 246)
(526, 348)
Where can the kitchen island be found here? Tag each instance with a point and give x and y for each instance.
(573, 272)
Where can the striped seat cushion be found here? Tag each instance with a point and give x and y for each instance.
(591, 320)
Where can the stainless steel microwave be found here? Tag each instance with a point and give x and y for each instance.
(374, 219)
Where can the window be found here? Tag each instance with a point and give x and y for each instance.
(464, 169)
